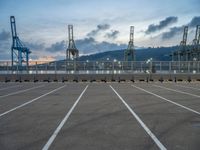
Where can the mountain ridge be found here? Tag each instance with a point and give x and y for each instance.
(142, 54)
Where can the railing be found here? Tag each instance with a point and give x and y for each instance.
(102, 67)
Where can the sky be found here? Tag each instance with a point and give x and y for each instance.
(99, 25)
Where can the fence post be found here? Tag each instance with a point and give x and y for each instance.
(160, 66)
(36, 67)
(131, 66)
(188, 64)
(27, 68)
(93, 65)
(170, 67)
(65, 66)
(55, 67)
(46, 67)
(113, 66)
(74, 66)
(150, 67)
(7, 67)
(17, 69)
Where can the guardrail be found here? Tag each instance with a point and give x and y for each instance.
(102, 67)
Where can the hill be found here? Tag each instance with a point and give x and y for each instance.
(158, 54)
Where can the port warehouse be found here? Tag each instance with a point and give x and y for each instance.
(64, 71)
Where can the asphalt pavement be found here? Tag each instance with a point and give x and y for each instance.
(99, 116)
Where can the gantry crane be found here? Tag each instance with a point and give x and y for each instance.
(129, 53)
(182, 53)
(196, 44)
(19, 52)
(188, 52)
(72, 52)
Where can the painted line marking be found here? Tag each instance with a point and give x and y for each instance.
(21, 91)
(52, 138)
(178, 91)
(24, 104)
(10, 87)
(154, 138)
(187, 87)
(194, 111)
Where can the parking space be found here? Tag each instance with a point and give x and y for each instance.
(101, 121)
(14, 90)
(180, 95)
(99, 116)
(183, 89)
(173, 125)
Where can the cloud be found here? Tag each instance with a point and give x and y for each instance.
(177, 30)
(5, 45)
(57, 47)
(100, 27)
(4, 35)
(195, 21)
(113, 34)
(5, 56)
(162, 24)
(90, 45)
(34, 46)
(172, 32)
(5, 50)
(86, 46)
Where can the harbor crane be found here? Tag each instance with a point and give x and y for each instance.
(72, 52)
(19, 52)
(129, 53)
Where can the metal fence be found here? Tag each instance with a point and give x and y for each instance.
(102, 67)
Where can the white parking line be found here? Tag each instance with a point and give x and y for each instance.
(9, 87)
(194, 111)
(21, 91)
(24, 104)
(178, 91)
(187, 87)
(154, 138)
(52, 138)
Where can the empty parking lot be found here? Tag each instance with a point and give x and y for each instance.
(99, 116)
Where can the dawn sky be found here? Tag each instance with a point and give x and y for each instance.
(99, 25)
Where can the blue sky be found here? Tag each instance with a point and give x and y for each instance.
(42, 24)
